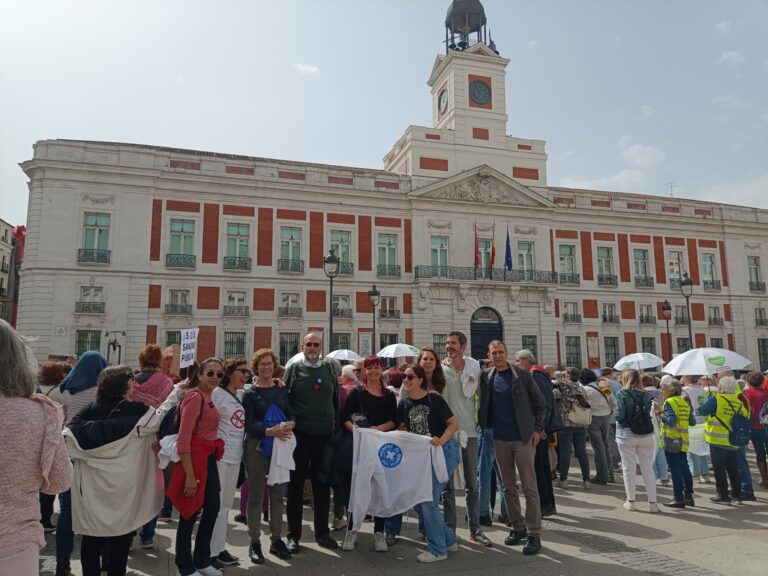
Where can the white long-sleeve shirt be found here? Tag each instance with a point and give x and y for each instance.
(392, 472)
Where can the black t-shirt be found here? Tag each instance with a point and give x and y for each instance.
(427, 416)
(377, 409)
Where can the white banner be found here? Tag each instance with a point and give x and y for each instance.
(188, 347)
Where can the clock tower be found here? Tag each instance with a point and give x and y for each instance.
(469, 110)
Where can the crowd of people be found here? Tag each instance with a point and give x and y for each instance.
(124, 448)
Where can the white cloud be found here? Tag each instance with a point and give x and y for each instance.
(729, 102)
(732, 57)
(724, 27)
(625, 141)
(647, 110)
(306, 68)
(751, 192)
(628, 180)
(643, 156)
(532, 44)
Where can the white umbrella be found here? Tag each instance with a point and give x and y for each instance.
(344, 354)
(638, 361)
(705, 361)
(398, 351)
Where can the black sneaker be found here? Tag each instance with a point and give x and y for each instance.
(293, 546)
(280, 550)
(325, 541)
(504, 520)
(689, 500)
(748, 497)
(720, 500)
(516, 537)
(485, 520)
(533, 546)
(62, 569)
(548, 511)
(241, 518)
(255, 553)
(227, 559)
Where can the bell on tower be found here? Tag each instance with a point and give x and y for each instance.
(464, 17)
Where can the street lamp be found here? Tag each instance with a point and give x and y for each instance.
(114, 344)
(373, 297)
(666, 313)
(331, 269)
(686, 289)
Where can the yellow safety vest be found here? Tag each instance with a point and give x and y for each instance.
(715, 431)
(680, 430)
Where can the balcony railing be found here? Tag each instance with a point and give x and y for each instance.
(236, 311)
(183, 309)
(682, 320)
(388, 271)
(389, 314)
(342, 312)
(89, 307)
(236, 263)
(644, 282)
(495, 274)
(757, 287)
(3, 293)
(674, 283)
(290, 312)
(4, 267)
(716, 322)
(180, 261)
(290, 265)
(711, 285)
(611, 319)
(607, 280)
(88, 256)
(647, 319)
(761, 321)
(570, 279)
(572, 318)
(346, 269)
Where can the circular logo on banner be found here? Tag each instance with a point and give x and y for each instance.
(390, 455)
(238, 419)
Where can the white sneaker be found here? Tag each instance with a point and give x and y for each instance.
(350, 539)
(209, 571)
(587, 485)
(429, 557)
(629, 505)
(562, 484)
(380, 542)
(193, 573)
(338, 523)
(453, 547)
(652, 507)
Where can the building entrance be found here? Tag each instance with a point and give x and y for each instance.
(485, 326)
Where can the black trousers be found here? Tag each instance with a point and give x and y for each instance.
(726, 465)
(543, 475)
(46, 508)
(308, 457)
(117, 557)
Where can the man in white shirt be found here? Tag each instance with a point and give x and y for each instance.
(462, 376)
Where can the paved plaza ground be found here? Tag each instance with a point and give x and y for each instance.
(591, 535)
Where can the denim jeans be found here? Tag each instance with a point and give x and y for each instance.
(576, 437)
(682, 481)
(147, 532)
(660, 464)
(543, 472)
(760, 443)
(598, 436)
(699, 464)
(469, 459)
(487, 460)
(744, 472)
(65, 538)
(726, 465)
(439, 535)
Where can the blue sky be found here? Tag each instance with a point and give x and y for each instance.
(629, 95)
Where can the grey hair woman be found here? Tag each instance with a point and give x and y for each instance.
(676, 417)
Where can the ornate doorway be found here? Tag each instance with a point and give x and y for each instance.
(485, 326)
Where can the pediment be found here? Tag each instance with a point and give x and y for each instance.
(483, 185)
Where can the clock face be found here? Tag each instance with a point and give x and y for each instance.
(480, 92)
(442, 102)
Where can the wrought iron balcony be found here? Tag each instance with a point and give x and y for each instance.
(611, 319)
(389, 314)
(236, 263)
(570, 278)
(346, 269)
(644, 282)
(607, 280)
(3, 293)
(761, 321)
(757, 287)
(495, 274)
(682, 320)
(4, 267)
(711, 285)
(182, 309)
(236, 311)
(674, 283)
(716, 322)
(572, 318)
(290, 312)
(290, 265)
(180, 261)
(342, 312)
(88, 256)
(388, 271)
(89, 307)
(647, 319)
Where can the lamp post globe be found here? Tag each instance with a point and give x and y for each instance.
(374, 296)
(331, 265)
(686, 289)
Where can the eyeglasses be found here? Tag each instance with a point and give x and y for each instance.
(410, 376)
(312, 344)
(211, 374)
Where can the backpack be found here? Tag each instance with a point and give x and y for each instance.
(640, 419)
(740, 432)
(170, 423)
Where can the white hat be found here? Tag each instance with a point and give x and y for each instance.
(666, 378)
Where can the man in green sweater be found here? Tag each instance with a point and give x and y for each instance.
(314, 397)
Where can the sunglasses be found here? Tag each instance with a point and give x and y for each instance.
(410, 376)
(312, 344)
(211, 374)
